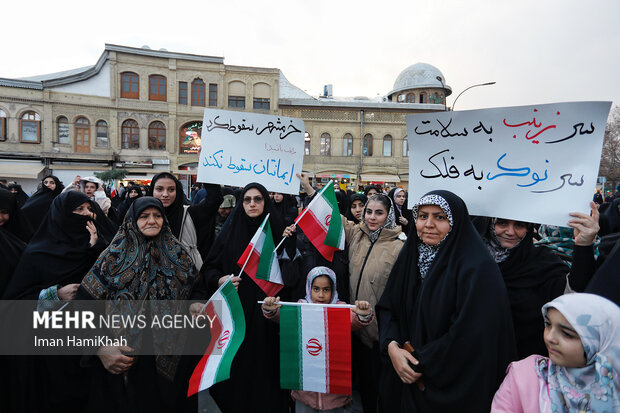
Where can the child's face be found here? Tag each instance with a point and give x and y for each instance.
(562, 341)
(321, 290)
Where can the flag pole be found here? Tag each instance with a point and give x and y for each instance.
(249, 255)
(331, 182)
(303, 304)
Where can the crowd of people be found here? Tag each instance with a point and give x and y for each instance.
(453, 312)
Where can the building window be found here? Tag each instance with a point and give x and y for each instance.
(82, 135)
(130, 135)
(306, 143)
(2, 125)
(410, 98)
(198, 92)
(157, 87)
(326, 144)
(405, 146)
(62, 130)
(182, 93)
(423, 98)
(212, 94)
(102, 134)
(367, 147)
(261, 103)
(236, 102)
(30, 127)
(347, 145)
(157, 135)
(387, 145)
(130, 85)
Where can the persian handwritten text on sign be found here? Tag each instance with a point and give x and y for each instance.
(241, 147)
(529, 163)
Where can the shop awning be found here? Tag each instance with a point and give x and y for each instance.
(379, 178)
(20, 170)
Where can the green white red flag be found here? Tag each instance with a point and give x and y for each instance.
(315, 348)
(225, 313)
(260, 262)
(321, 223)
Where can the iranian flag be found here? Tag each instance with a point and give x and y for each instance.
(227, 333)
(321, 223)
(260, 262)
(315, 348)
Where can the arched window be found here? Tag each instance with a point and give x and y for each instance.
(326, 144)
(62, 130)
(130, 85)
(30, 127)
(410, 98)
(387, 145)
(236, 95)
(198, 92)
(306, 143)
(405, 146)
(130, 135)
(367, 148)
(157, 87)
(347, 145)
(2, 125)
(82, 135)
(157, 135)
(423, 97)
(102, 134)
(262, 94)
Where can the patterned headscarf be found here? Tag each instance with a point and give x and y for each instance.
(390, 221)
(561, 241)
(427, 253)
(318, 272)
(499, 253)
(596, 386)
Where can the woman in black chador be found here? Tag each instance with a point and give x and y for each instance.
(445, 297)
(39, 203)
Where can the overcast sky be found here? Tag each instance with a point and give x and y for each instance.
(538, 51)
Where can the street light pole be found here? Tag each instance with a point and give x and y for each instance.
(481, 84)
(445, 108)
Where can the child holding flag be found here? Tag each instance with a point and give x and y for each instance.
(321, 289)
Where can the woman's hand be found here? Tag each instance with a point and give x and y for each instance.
(114, 360)
(585, 226)
(92, 229)
(270, 304)
(234, 280)
(362, 308)
(288, 231)
(305, 183)
(403, 220)
(400, 361)
(67, 293)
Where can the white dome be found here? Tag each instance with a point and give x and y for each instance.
(419, 76)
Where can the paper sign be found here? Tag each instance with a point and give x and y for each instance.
(241, 147)
(527, 163)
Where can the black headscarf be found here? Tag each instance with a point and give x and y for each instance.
(367, 189)
(11, 249)
(58, 253)
(39, 203)
(21, 197)
(605, 281)
(128, 201)
(287, 209)
(533, 277)
(401, 211)
(352, 198)
(457, 319)
(609, 220)
(18, 224)
(174, 212)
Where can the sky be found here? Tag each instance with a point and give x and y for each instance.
(539, 51)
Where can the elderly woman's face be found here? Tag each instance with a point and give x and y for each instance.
(150, 222)
(253, 203)
(432, 224)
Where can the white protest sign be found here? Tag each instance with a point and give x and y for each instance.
(528, 163)
(241, 147)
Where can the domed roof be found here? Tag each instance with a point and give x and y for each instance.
(418, 76)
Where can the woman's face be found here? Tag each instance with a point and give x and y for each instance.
(253, 203)
(150, 222)
(375, 215)
(432, 224)
(321, 290)
(166, 191)
(4, 216)
(50, 183)
(562, 341)
(13, 190)
(371, 192)
(133, 193)
(510, 232)
(357, 209)
(278, 197)
(400, 198)
(85, 209)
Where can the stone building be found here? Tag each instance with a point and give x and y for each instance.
(141, 110)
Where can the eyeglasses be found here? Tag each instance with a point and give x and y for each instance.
(256, 199)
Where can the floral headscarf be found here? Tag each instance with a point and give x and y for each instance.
(561, 241)
(318, 272)
(596, 386)
(390, 221)
(427, 253)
